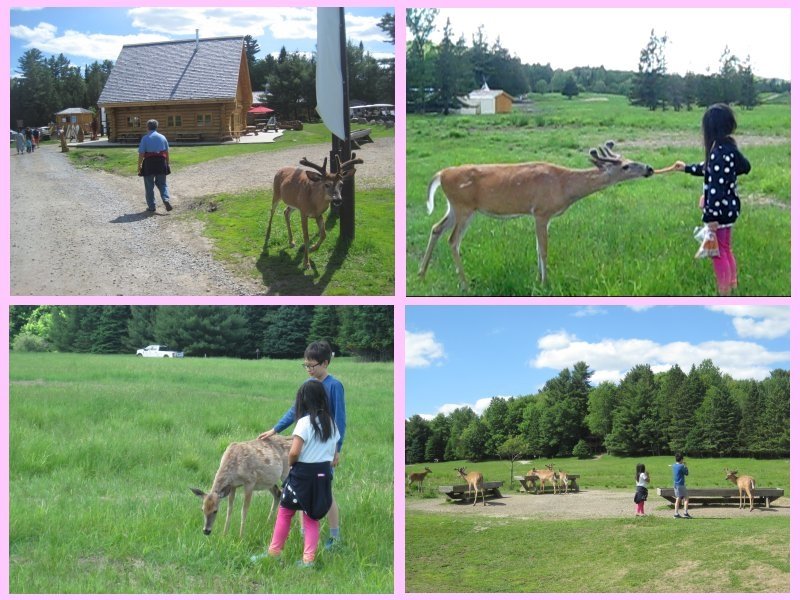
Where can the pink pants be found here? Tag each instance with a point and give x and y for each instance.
(281, 533)
(725, 263)
(640, 508)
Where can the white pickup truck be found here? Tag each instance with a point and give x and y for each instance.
(156, 351)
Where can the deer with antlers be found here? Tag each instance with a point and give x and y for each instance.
(418, 478)
(746, 485)
(474, 481)
(310, 192)
(542, 190)
(254, 465)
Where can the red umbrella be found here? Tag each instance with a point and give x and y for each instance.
(260, 110)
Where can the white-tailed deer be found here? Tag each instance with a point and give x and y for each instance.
(562, 478)
(544, 475)
(310, 192)
(254, 465)
(746, 485)
(474, 481)
(542, 190)
(418, 477)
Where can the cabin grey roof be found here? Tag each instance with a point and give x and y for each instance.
(74, 111)
(183, 70)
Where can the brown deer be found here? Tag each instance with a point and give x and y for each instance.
(311, 193)
(562, 478)
(254, 465)
(474, 480)
(746, 485)
(545, 475)
(418, 477)
(542, 190)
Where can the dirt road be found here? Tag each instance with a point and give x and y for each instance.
(81, 232)
(588, 504)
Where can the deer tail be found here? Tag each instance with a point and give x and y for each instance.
(435, 183)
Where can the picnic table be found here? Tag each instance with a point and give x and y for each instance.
(359, 137)
(530, 483)
(705, 496)
(491, 489)
(251, 130)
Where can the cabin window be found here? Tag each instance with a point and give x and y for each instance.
(174, 121)
(134, 122)
(203, 119)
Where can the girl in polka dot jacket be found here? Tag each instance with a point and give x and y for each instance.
(720, 202)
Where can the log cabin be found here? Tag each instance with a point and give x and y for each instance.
(198, 90)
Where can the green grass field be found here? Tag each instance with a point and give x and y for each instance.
(237, 223)
(104, 449)
(633, 239)
(443, 553)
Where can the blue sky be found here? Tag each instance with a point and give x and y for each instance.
(613, 37)
(87, 34)
(465, 355)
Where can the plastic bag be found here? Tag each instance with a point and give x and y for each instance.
(709, 247)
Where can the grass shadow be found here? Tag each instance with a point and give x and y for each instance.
(283, 273)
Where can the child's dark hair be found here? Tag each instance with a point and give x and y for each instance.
(678, 457)
(719, 123)
(639, 470)
(319, 351)
(312, 400)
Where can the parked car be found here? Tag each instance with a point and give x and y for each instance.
(156, 351)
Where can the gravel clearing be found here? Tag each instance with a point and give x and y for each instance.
(82, 232)
(589, 504)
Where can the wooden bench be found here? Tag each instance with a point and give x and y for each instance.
(129, 138)
(705, 496)
(188, 137)
(530, 483)
(359, 137)
(491, 489)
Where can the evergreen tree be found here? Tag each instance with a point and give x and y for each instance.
(325, 326)
(286, 332)
(716, 425)
(110, 336)
(686, 402)
(201, 330)
(367, 331)
(419, 70)
(141, 326)
(773, 426)
(570, 88)
(417, 432)
(649, 83)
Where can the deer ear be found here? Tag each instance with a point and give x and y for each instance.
(198, 492)
(313, 176)
(224, 492)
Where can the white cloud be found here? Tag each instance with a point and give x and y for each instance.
(760, 322)
(612, 358)
(422, 349)
(640, 307)
(589, 311)
(479, 406)
(95, 46)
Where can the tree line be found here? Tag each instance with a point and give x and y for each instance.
(366, 332)
(701, 413)
(437, 74)
(45, 86)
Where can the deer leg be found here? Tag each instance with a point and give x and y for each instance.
(304, 224)
(231, 496)
(437, 230)
(275, 202)
(541, 247)
(276, 496)
(248, 495)
(460, 228)
(287, 213)
(321, 228)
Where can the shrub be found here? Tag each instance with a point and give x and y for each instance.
(29, 342)
(582, 450)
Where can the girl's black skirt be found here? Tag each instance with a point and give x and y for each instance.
(308, 488)
(641, 494)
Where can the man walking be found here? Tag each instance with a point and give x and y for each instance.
(154, 165)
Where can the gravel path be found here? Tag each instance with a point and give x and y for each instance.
(81, 232)
(588, 504)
